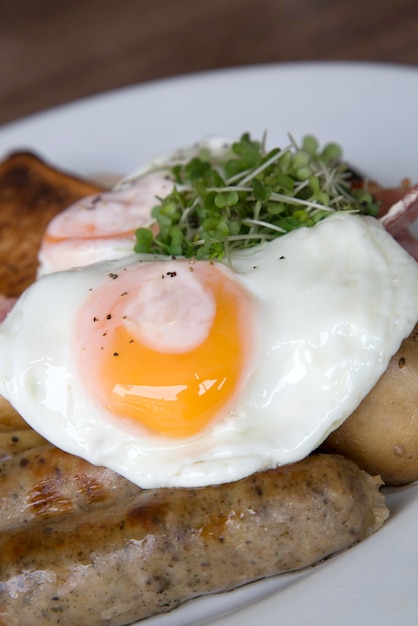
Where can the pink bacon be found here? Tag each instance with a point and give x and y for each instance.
(399, 209)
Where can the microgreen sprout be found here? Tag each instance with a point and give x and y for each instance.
(249, 196)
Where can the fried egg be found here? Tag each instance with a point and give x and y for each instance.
(102, 227)
(175, 372)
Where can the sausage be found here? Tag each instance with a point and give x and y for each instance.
(10, 418)
(17, 441)
(45, 481)
(116, 565)
(15, 434)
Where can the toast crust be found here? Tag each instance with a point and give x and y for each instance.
(32, 192)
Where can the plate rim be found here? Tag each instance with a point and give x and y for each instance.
(186, 77)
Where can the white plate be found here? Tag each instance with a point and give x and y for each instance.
(372, 111)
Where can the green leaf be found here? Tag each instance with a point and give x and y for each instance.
(226, 199)
(310, 144)
(176, 241)
(196, 168)
(331, 153)
(143, 240)
(260, 191)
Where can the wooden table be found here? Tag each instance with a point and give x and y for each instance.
(53, 52)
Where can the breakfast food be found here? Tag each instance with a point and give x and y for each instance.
(12, 443)
(125, 561)
(126, 369)
(31, 193)
(181, 372)
(322, 364)
(381, 435)
(43, 482)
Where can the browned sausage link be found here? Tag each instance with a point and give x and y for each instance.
(17, 441)
(117, 565)
(44, 482)
(10, 418)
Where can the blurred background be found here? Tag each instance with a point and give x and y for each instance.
(53, 52)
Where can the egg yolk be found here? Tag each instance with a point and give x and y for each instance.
(170, 349)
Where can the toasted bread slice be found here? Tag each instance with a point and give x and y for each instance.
(32, 192)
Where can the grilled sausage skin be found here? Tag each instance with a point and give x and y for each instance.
(115, 565)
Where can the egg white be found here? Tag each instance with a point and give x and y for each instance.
(332, 305)
(111, 213)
